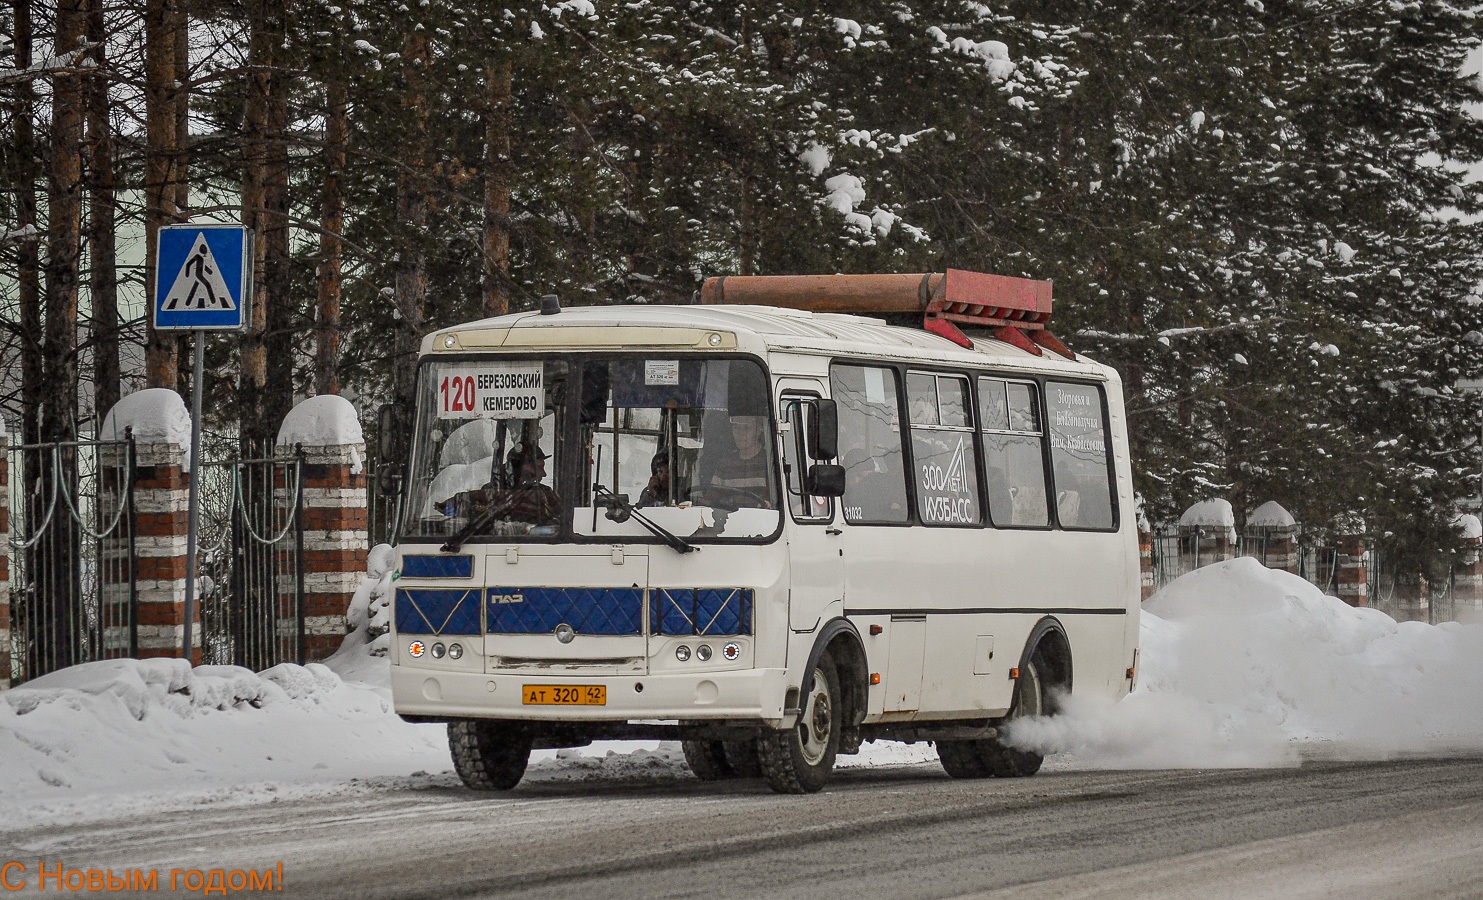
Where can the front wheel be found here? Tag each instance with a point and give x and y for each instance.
(798, 760)
(488, 754)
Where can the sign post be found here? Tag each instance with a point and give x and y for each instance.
(203, 282)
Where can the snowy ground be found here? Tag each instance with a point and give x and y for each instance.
(1241, 666)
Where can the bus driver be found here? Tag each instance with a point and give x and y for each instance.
(746, 471)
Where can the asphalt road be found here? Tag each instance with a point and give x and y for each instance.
(1408, 828)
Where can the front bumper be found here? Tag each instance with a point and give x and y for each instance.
(750, 694)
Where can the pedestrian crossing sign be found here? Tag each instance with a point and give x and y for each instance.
(203, 278)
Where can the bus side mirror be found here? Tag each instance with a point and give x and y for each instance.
(390, 429)
(823, 437)
(389, 479)
(390, 433)
(825, 480)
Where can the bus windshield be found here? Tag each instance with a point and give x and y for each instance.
(589, 446)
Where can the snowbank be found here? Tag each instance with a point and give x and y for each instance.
(157, 415)
(1469, 524)
(124, 732)
(322, 421)
(1241, 666)
(1210, 514)
(1248, 666)
(362, 654)
(328, 420)
(1271, 515)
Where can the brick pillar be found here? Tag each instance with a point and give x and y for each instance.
(1467, 580)
(1352, 578)
(1145, 562)
(4, 560)
(335, 540)
(1282, 549)
(1207, 534)
(116, 552)
(161, 503)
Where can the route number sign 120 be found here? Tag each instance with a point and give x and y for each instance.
(491, 390)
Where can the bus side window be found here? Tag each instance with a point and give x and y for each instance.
(1078, 452)
(1014, 455)
(942, 449)
(870, 444)
(798, 413)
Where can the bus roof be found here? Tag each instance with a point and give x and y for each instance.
(755, 329)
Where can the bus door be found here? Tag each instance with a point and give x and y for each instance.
(815, 555)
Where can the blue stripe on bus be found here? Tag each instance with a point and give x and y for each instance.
(701, 611)
(437, 567)
(437, 612)
(538, 610)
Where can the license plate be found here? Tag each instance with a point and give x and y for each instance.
(564, 695)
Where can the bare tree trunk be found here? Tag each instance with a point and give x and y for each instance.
(254, 374)
(411, 267)
(331, 220)
(160, 22)
(182, 106)
(57, 574)
(497, 191)
(28, 276)
(64, 235)
(102, 202)
(278, 396)
(747, 231)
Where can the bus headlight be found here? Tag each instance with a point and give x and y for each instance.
(455, 651)
(682, 653)
(703, 652)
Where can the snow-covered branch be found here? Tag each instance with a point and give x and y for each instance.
(63, 64)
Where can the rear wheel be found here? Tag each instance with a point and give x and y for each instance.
(798, 760)
(961, 759)
(1030, 699)
(707, 759)
(743, 758)
(489, 754)
(980, 759)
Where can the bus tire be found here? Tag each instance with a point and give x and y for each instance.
(489, 754)
(742, 756)
(707, 759)
(1030, 699)
(962, 759)
(798, 760)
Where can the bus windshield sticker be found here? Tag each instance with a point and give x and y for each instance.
(491, 390)
(661, 371)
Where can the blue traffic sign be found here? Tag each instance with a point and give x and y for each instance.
(203, 278)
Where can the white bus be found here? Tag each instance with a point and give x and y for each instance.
(771, 533)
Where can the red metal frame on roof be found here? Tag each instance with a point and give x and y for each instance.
(1017, 309)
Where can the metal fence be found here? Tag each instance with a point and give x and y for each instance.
(74, 584)
(75, 556)
(1403, 596)
(251, 559)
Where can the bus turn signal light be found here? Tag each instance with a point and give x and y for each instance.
(876, 629)
(1014, 674)
(1131, 672)
(875, 678)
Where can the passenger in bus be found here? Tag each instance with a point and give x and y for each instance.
(745, 471)
(657, 491)
(533, 500)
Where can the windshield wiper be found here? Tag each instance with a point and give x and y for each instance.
(617, 501)
(480, 521)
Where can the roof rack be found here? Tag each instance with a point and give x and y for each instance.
(1016, 309)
